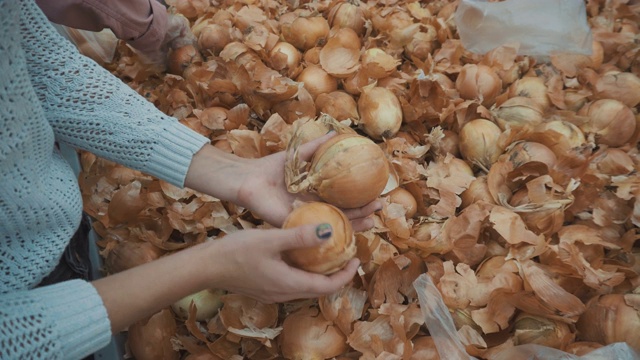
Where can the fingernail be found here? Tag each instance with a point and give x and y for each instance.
(324, 231)
(329, 132)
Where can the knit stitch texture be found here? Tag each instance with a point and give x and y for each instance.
(48, 93)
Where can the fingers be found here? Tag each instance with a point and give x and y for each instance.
(306, 150)
(364, 211)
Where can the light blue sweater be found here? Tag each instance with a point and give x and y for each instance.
(48, 92)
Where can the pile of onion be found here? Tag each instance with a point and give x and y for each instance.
(335, 252)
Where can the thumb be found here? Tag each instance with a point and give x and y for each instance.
(303, 236)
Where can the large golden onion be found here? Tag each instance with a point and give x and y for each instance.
(335, 252)
(348, 171)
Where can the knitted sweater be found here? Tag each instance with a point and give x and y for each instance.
(49, 92)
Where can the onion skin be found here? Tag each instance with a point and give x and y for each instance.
(129, 254)
(306, 32)
(335, 252)
(348, 171)
(181, 58)
(403, 197)
(531, 329)
(478, 82)
(612, 122)
(479, 142)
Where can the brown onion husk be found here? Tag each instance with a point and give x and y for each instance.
(531, 329)
(339, 105)
(285, 56)
(517, 113)
(611, 318)
(478, 82)
(522, 152)
(424, 348)
(340, 56)
(129, 254)
(150, 339)
(378, 64)
(478, 190)
(306, 334)
(126, 203)
(621, 86)
(339, 166)
(335, 252)
(479, 142)
(612, 122)
(214, 38)
(559, 136)
(380, 112)
(239, 312)
(613, 161)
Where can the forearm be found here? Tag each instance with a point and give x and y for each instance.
(139, 292)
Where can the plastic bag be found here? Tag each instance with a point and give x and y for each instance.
(99, 46)
(539, 27)
(451, 345)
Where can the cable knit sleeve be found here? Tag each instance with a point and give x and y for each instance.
(91, 109)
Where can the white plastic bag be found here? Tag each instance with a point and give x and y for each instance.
(539, 27)
(99, 46)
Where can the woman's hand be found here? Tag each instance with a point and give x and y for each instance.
(249, 262)
(259, 184)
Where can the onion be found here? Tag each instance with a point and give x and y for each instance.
(311, 130)
(312, 56)
(214, 37)
(285, 56)
(611, 318)
(531, 329)
(547, 219)
(340, 56)
(348, 171)
(424, 348)
(241, 312)
(347, 14)
(335, 252)
(339, 105)
(478, 191)
(450, 143)
(522, 152)
(517, 113)
(479, 142)
(305, 32)
(403, 197)
(207, 303)
(307, 335)
(422, 43)
(478, 82)
(612, 161)
(150, 339)
(378, 64)
(317, 81)
(180, 59)
(380, 112)
(129, 254)
(612, 122)
(621, 86)
(559, 136)
(533, 88)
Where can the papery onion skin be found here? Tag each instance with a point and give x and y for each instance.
(531, 329)
(613, 161)
(129, 254)
(621, 86)
(349, 14)
(522, 152)
(306, 32)
(180, 59)
(380, 113)
(478, 191)
(479, 142)
(292, 55)
(150, 339)
(559, 136)
(403, 197)
(335, 252)
(214, 38)
(533, 88)
(348, 171)
(478, 82)
(609, 319)
(517, 113)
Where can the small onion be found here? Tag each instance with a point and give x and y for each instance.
(180, 59)
(478, 82)
(317, 81)
(213, 37)
(347, 14)
(305, 32)
(207, 303)
(479, 142)
(621, 86)
(612, 122)
(450, 143)
(339, 105)
(517, 113)
(531, 329)
(611, 318)
(533, 88)
(559, 136)
(307, 335)
(150, 339)
(335, 252)
(380, 112)
(522, 152)
(378, 64)
(285, 56)
(129, 254)
(403, 197)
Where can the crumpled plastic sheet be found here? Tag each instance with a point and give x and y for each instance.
(539, 27)
(450, 346)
